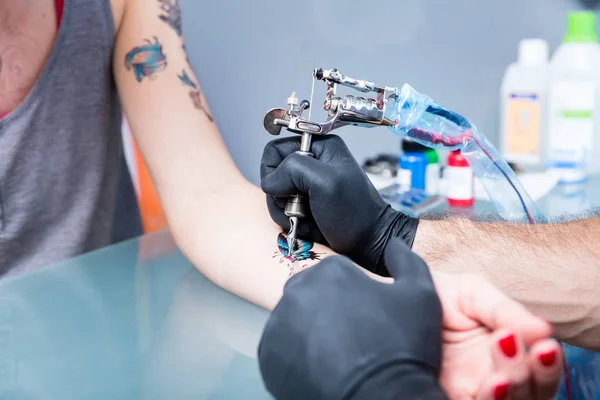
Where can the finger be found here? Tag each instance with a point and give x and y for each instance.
(323, 147)
(275, 152)
(296, 174)
(545, 361)
(329, 147)
(496, 387)
(508, 353)
(402, 264)
(280, 201)
(487, 304)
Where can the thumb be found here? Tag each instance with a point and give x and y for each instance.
(297, 173)
(403, 264)
(496, 310)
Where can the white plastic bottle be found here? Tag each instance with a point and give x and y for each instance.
(574, 101)
(523, 97)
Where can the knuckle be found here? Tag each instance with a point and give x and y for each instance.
(293, 162)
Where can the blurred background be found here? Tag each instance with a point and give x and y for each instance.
(250, 55)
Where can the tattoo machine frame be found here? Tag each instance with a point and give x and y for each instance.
(342, 111)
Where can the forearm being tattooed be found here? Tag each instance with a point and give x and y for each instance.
(219, 220)
(554, 269)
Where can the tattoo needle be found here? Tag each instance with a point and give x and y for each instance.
(292, 234)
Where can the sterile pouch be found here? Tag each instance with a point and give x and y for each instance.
(418, 117)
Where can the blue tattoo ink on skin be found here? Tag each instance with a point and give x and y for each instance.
(195, 93)
(301, 251)
(146, 60)
(185, 78)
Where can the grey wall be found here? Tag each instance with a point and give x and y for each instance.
(250, 55)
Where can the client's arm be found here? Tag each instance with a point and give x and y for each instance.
(218, 219)
(554, 269)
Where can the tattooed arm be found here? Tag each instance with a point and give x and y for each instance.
(219, 220)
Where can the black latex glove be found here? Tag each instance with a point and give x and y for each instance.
(347, 212)
(338, 334)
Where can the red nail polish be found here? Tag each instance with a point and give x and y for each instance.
(508, 345)
(501, 391)
(548, 359)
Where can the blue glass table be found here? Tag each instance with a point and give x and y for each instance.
(132, 321)
(137, 321)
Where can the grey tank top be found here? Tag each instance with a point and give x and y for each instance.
(60, 150)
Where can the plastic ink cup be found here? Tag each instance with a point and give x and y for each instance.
(460, 179)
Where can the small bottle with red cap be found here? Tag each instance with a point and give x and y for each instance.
(460, 181)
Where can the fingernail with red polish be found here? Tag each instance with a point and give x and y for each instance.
(501, 391)
(548, 359)
(508, 345)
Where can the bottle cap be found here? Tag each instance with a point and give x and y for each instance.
(456, 159)
(410, 146)
(581, 27)
(534, 52)
(432, 156)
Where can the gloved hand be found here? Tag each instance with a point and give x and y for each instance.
(347, 212)
(338, 334)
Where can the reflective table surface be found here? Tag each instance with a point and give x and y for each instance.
(137, 321)
(132, 321)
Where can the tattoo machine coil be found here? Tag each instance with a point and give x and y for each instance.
(407, 113)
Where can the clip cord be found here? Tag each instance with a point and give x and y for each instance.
(312, 92)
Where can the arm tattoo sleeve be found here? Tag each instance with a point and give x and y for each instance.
(295, 259)
(146, 60)
(195, 93)
(171, 14)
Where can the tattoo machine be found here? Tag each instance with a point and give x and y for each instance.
(407, 113)
(342, 111)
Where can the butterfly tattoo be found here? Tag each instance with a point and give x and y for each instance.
(301, 251)
(146, 60)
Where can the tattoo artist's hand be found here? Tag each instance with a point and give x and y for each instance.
(484, 339)
(338, 334)
(348, 214)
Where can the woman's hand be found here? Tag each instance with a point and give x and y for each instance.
(493, 348)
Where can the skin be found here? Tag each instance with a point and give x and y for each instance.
(179, 139)
(177, 157)
(552, 269)
(26, 39)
